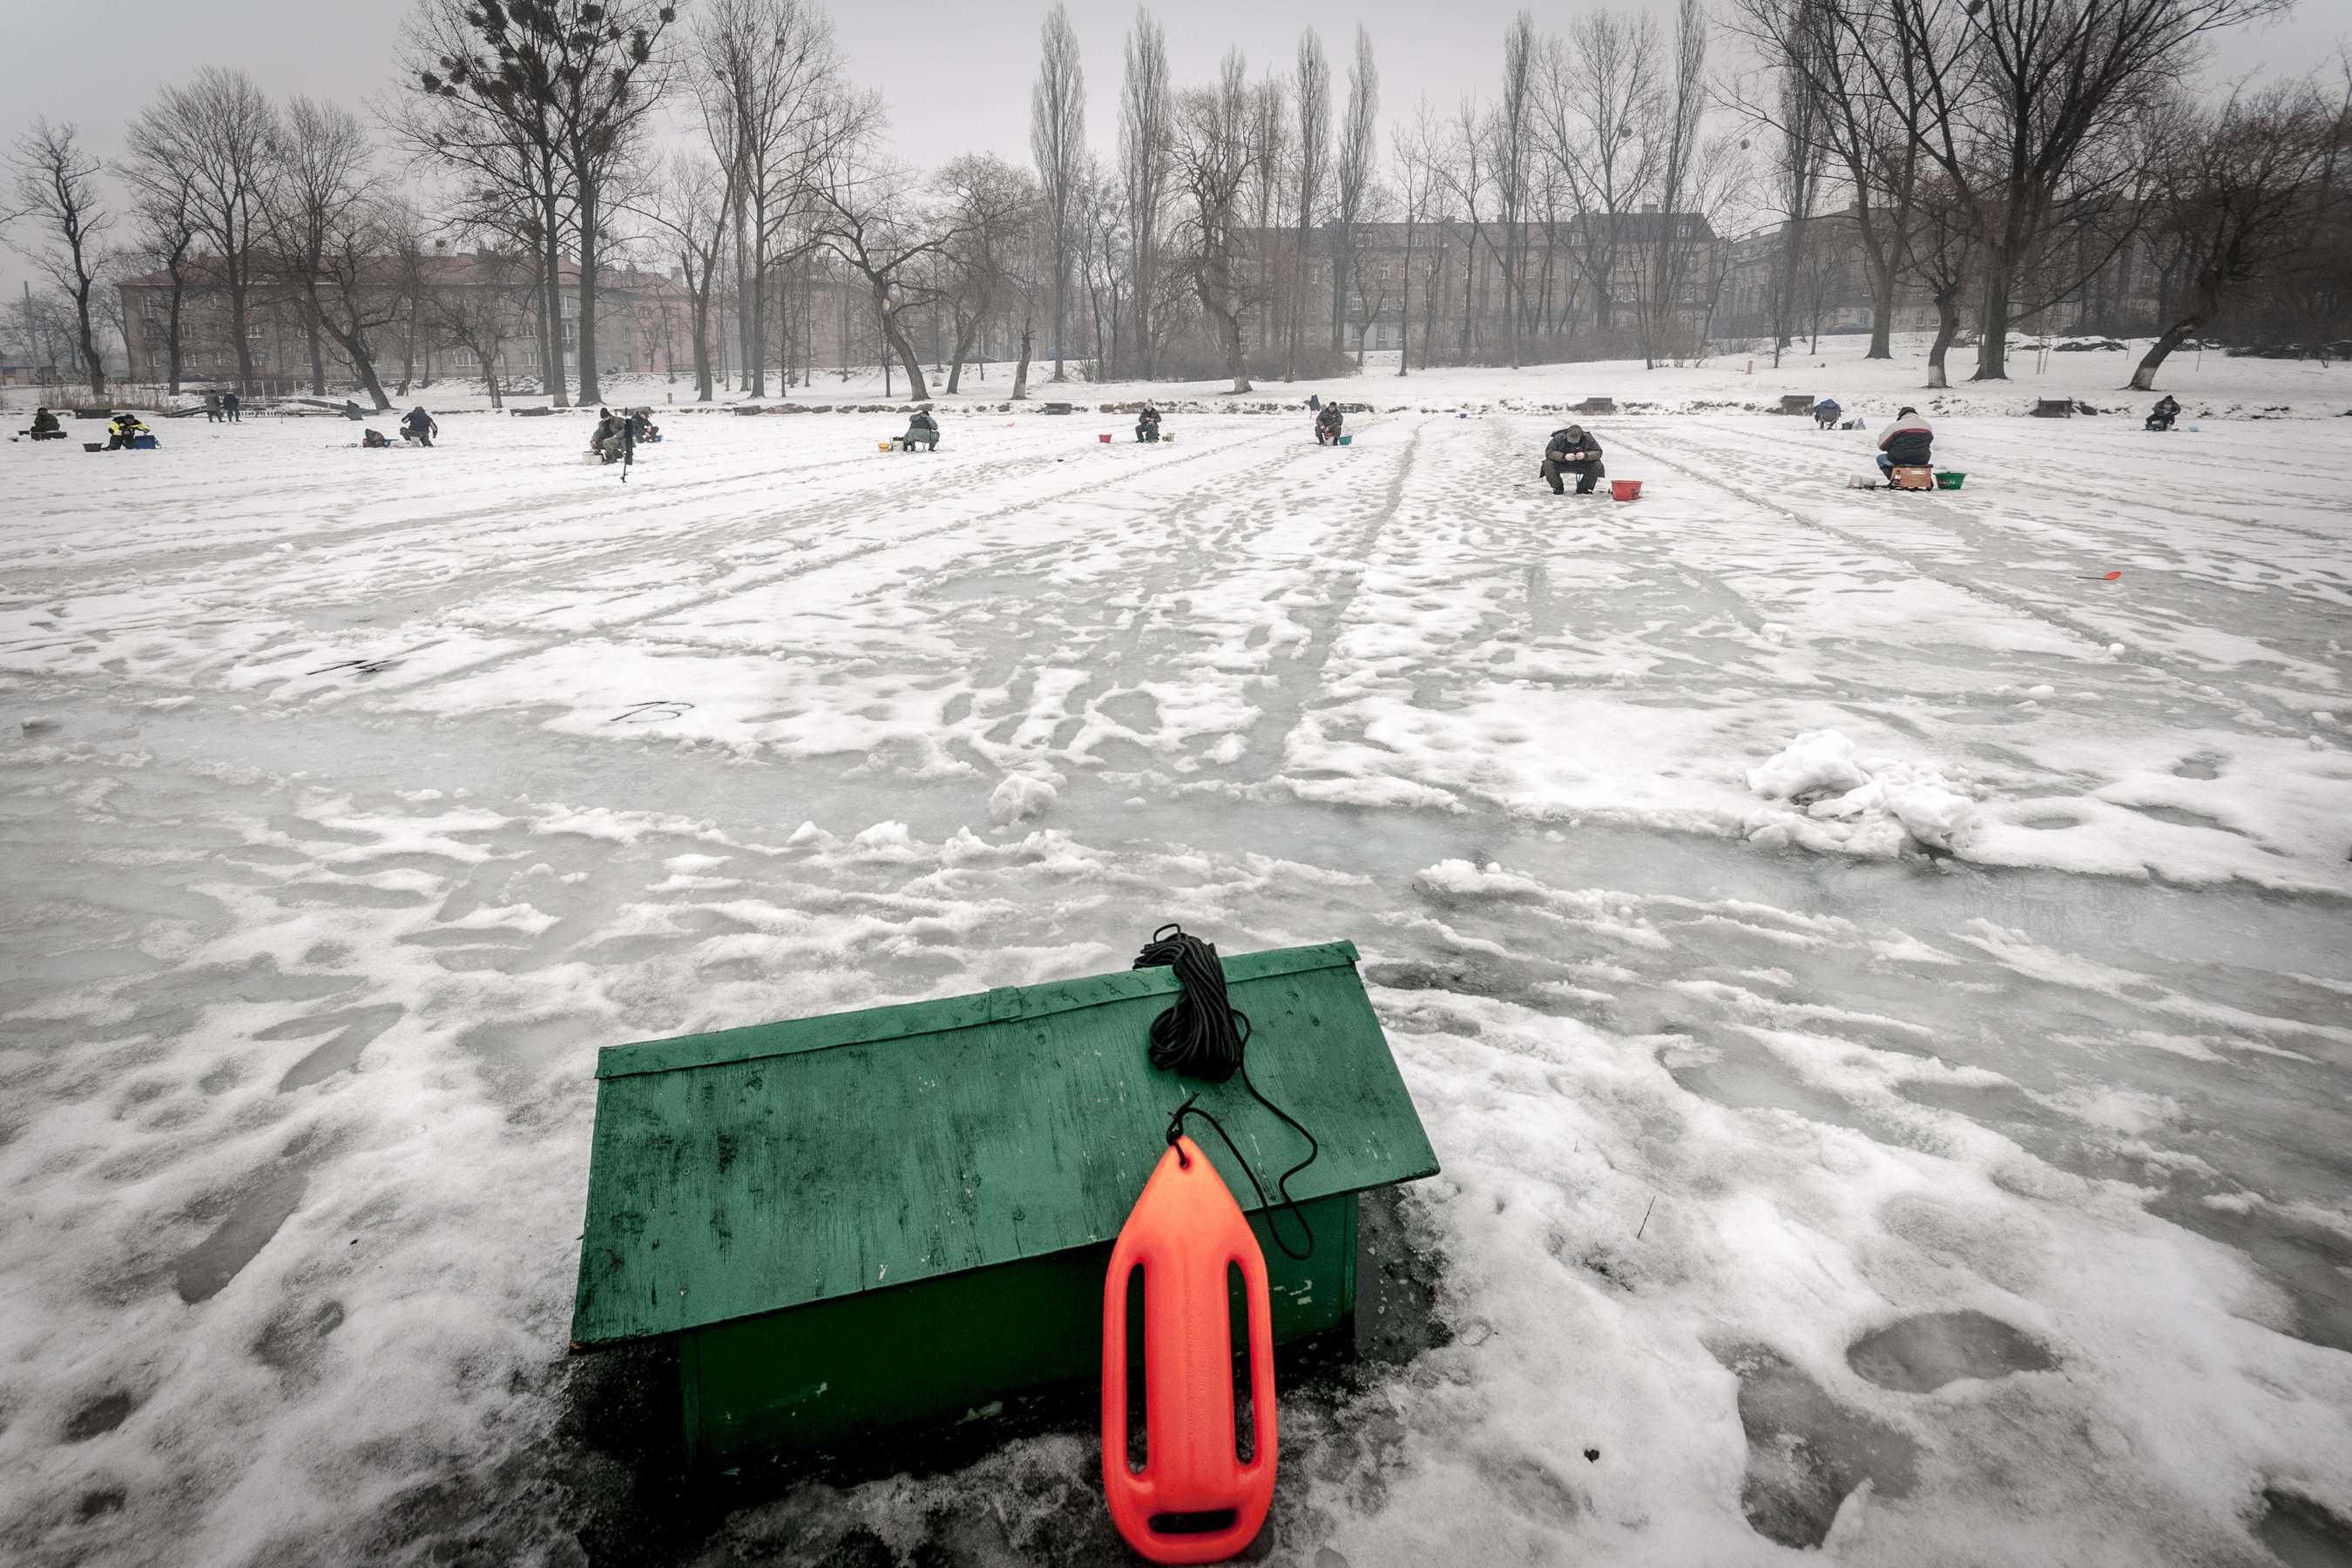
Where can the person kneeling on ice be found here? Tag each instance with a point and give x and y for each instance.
(922, 430)
(1825, 414)
(1572, 450)
(607, 438)
(1904, 444)
(1146, 424)
(2166, 411)
(46, 426)
(1327, 426)
(122, 431)
(418, 427)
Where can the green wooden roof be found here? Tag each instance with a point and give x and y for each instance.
(753, 1169)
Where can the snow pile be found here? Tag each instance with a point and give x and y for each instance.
(1020, 797)
(1870, 807)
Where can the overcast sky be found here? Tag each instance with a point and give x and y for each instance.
(956, 76)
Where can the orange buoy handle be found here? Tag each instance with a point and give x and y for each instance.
(1195, 1499)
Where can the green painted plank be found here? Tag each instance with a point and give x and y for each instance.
(1005, 1004)
(725, 1189)
(840, 1370)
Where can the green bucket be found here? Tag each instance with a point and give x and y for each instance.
(1345, 440)
(1948, 481)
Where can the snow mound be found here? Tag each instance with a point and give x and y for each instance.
(1816, 762)
(1021, 795)
(1860, 805)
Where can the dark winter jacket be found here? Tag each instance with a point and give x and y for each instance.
(1328, 418)
(420, 423)
(1907, 441)
(1566, 448)
(606, 428)
(44, 421)
(921, 427)
(1149, 419)
(1827, 409)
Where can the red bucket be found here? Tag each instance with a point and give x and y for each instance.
(1625, 490)
(1104, 439)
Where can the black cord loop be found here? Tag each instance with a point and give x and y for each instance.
(1203, 1035)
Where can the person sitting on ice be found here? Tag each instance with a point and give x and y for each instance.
(2166, 411)
(1905, 443)
(1146, 424)
(642, 429)
(1572, 449)
(372, 438)
(1327, 426)
(610, 433)
(122, 432)
(1825, 414)
(46, 426)
(418, 427)
(352, 411)
(922, 430)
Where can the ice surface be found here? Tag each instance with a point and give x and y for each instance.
(371, 798)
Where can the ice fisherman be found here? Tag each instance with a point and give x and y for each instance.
(1146, 424)
(2166, 411)
(232, 408)
(1572, 449)
(418, 427)
(212, 407)
(352, 411)
(1826, 413)
(46, 426)
(921, 430)
(1327, 421)
(611, 431)
(642, 428)
(1904, 444)
(122, 430)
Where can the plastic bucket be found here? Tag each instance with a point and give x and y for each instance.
(1345, 440)
(1104, 439)
(1948, 481)
(1625, 490)
(883, 445)
(93, 445)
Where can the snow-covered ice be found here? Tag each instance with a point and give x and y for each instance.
(1930, 953)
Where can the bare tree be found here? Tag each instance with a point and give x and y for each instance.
(2021, 96)
(2237, 195)
(1146, 132)
(991, 206)
(1598, 85)
(478, 311)
(57, 186)
(691, 204)
(865, 214)
(217, 134)
(1057, 140)
(575, 79)
(1672, 130)
(332, 235)
(1413, 152)
(767, 74)
(1509, 133)
(1312, 86)
(163, 202)
(1358, 148)
(1214, 159)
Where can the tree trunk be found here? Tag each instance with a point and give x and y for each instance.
(1947, 327)
(1236, 362)
(1882, 311)
(590, 389)
(89, 339)
(895, 340)
(237, 326)
(551, 378)
(318, 359)
(2202, 303)
(1404, 309)
(1992, 328)
(1021, 374)
(171, 333)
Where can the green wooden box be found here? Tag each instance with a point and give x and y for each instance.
(900, 1215)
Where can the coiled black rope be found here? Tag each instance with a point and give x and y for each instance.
(1203, 1035)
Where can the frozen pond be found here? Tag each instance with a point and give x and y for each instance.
(1929, 1140)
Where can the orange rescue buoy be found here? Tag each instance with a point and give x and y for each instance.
(1194, 1499)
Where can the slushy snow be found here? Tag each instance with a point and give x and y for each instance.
(1885, 1111)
